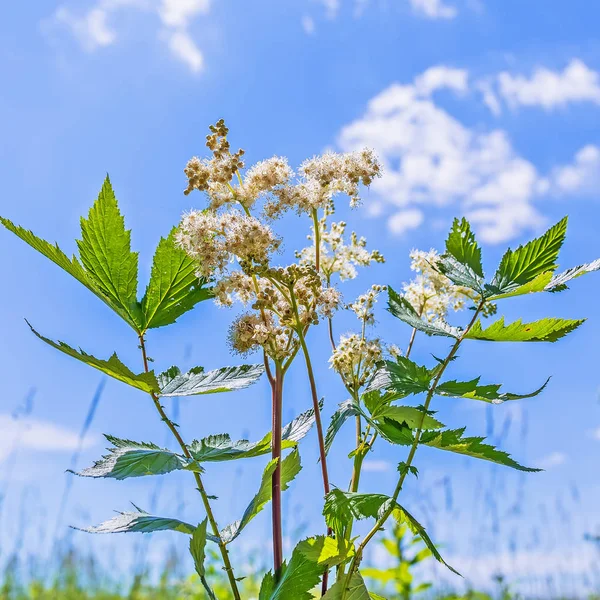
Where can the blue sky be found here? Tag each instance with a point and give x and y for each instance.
(488, 110)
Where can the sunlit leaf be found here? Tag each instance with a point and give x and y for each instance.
(519, 267)
(412, 416)
(113, 366)
(345, 410)
(461, 244)
(197, 381)
(452, 440)
(356, 590)
(406, 376)
(403, 310)
(139, 522)
(217, 448)
(559, 282)
(544, 330)
(105, 251)
(174, 288)
(487, 393)
(198, 552)
(135, 459)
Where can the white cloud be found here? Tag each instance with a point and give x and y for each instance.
(551, 89)
(332, 7)
(376, 466)
(37, 435)
(185, 49)
(405, 220)
(91, 29)
(596, 434)
(430, 158)
(555, 459)
(433, 9)
(179, 13)
(583, 175)
(308, 25)
(95, 29)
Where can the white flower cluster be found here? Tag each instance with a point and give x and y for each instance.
(335, 256)
(288, 299)
(355, 359)
(363, 306)
(431, 293)
(213, 239)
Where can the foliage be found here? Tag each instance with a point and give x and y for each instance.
(229, 248)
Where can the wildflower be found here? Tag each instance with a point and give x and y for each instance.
(355, 359)
(364, 304)
(335, 256)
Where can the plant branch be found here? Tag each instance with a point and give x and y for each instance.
(413, 450)
(209, 513)
(277, 397)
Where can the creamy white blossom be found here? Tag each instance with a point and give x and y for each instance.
(355, 358)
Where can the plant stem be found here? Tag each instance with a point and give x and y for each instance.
(317, 240)
(277, 396)
(413, 450)
(209, 513)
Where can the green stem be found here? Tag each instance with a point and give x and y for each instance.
(277, 408)
(413, 450)
(317, 230)
(209, 513)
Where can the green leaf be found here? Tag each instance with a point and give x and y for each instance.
(458, 273)
(198, 552)
(394, 432)
(217, 448)
(340, 507)
(538, 284)
(70, 265)
(452, 440)
(290, 467)
(544, 330)
(403, 310)
(139, 522)
(196, 381)
(356, 590)
(135, 459)
(113, 366)
(413, 417)
(345, 410)
(559, 282)
(406, 377)
(487, 393)
(524, 264)
(174, 288)
(105, 251)
(461, 244)
(302, 573)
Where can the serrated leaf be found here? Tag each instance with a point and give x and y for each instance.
(290, 467)
(452, 440)
(113, 366)
(538, 284)
(487, 393)
(356, 590)
(461, 245)
(135, 459)
(524, 264)
(406, 377)
(105, 252)
(70, 265)
(174, 287)
(412, 416)
(341, 507)
(403, 310)
(544, 330)
(559, 282)
(298, 577)
(139, 522)
(394, 432)
(345, 410)
(218, 448)
(196, 382)
(458, 273)
(198, 552)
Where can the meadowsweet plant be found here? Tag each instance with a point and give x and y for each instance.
(228, 250)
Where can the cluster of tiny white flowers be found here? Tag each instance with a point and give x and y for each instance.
(355, 359)
(431, 293)
(253, 331)
(363, 306)
(213, 239)
(322, 177)
(335, 256)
